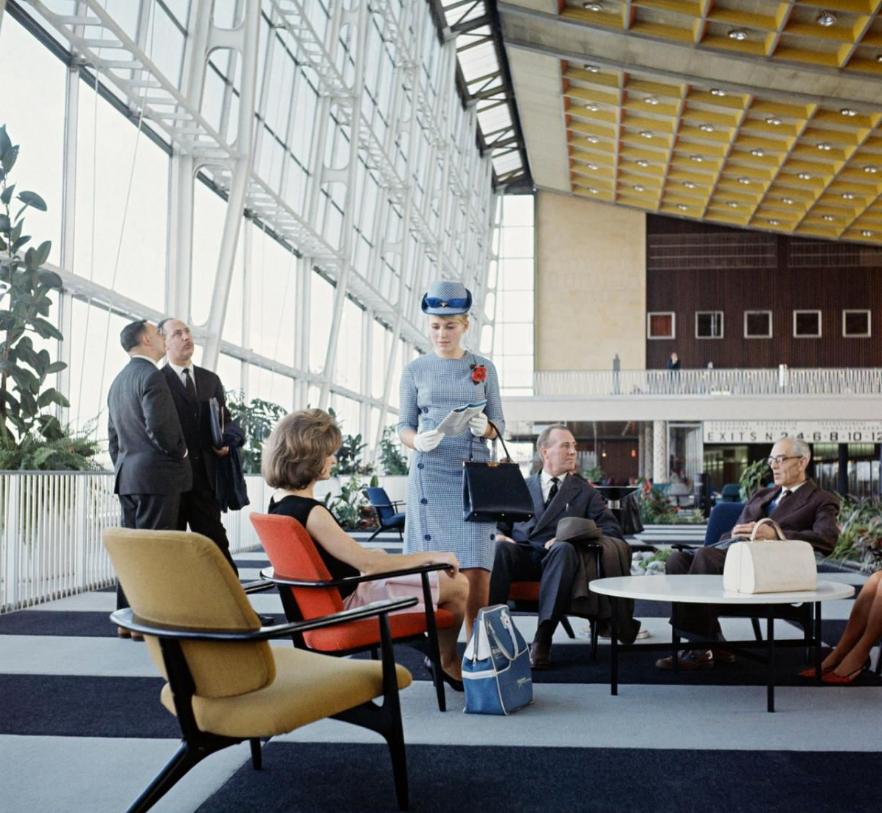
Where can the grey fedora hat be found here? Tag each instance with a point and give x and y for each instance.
(446, 298)
(578, 529)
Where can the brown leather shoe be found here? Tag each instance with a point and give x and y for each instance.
(540, 654)
(689, 660)
(136, 636)
(723, 655)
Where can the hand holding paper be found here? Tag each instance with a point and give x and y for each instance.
(478, 425)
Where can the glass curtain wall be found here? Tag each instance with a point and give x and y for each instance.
(364, 183)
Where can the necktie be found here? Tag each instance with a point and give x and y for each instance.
(773, 506)
(188, 384)
(552, 491)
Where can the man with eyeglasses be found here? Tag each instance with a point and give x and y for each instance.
(530, 551)
(801, 509)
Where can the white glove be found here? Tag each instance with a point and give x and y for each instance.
(426, 441)
(478, 425)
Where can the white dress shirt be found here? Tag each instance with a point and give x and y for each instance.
(545, 480)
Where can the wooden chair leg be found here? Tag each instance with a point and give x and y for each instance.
(184, 759)
(593, 623)
(568, 628)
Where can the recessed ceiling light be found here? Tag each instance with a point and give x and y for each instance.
(651, 100)
(878, 57)
(645, 134)
(866, 233)
(592, 167)
(847, 111)
(682, 207)
(732, 204)
(697, 158)
(592, 190)
(804, 176)
(738, 34)
(774, 222)
(826, 19)
(689, 184)
(642, 162)
(828, 218)
(871, 169)
(639, 188)
(787, 201)
(847, 196)
(592, 139)
(592, 6)
(773, 121)
(706, 128)
(592, 107)
(757, 153)
(824, 146)
(592, 68)
(743, 180)
(717, 92)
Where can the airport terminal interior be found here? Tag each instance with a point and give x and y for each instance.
(668, 217)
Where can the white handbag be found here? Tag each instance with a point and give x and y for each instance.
(770, 565)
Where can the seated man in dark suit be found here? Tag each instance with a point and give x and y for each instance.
(527, 550)
(803, 511)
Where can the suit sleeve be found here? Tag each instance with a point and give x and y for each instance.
(602, 516)
(824, 532)
(161, 418)
(112, 439)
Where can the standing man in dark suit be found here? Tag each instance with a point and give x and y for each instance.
(145, 439)
(527, 550)
(801, 509)
(191, 388)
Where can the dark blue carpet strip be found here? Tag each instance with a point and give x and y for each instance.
(339, 776)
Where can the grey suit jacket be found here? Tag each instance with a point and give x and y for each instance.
(144, 433)
(576, 498)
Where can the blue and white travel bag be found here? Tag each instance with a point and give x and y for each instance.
(496, 665)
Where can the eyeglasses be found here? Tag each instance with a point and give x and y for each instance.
(777, 460)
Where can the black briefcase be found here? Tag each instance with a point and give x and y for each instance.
(495, 491)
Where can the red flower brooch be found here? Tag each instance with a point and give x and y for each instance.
(479, 372)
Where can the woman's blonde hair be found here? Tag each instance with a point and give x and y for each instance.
(456, 317)
(295, 453)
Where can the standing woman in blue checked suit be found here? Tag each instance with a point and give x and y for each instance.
(431, 386)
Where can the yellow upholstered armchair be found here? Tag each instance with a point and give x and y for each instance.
(224, 682)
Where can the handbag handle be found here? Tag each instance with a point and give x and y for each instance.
(779, 534)
(507, 458)
(514, 644)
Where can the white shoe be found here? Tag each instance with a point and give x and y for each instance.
(642, 634)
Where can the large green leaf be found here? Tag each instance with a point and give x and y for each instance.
(31, 198)
(47, 330)
(5, 225)
(24, 378)
(6, 195)
(50, 279)
(52, 396)
(42, 252)
(5, 143)
(56, 367)
(9, 159)
(19, 243)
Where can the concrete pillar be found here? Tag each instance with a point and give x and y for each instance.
(659, 451)
(646, 471)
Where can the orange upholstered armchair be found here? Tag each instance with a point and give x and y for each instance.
(308, 591)
(225, 684)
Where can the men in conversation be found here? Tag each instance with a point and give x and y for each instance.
(145, 439)
(528, 550)
(802, 510)
(192, 388)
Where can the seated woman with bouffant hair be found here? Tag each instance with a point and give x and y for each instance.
(301, 451)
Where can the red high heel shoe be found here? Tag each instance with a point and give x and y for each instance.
(809, 673)
(832, 679)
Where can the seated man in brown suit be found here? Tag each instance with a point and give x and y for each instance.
(803, 511)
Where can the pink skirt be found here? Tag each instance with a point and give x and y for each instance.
(394, 588)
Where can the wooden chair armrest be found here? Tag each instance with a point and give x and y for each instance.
(268, 573)
(128, 620)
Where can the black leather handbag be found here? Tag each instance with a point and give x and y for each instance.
(495, 491)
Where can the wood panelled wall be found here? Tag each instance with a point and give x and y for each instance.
(700, 267)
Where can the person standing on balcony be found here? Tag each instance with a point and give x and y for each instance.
(431, 386)
(145, 439)
(191, 388)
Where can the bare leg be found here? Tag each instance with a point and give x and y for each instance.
(452, 596)
(857, 624)
(857, 654)
(479, 595)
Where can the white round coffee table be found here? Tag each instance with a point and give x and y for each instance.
(709, 590)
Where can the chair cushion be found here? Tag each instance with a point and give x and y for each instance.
(308, 687)
(361, 634)
(524, 591)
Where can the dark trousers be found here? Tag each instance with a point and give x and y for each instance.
(199, 510)
(555, 570)
(156, 512)
(697, 619)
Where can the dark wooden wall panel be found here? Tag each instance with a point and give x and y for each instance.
(698, 267)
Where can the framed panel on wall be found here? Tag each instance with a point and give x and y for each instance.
(708, 324)
(807, 324)
(661, 325)
(757, 324)
(856, 324)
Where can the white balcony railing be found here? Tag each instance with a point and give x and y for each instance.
(709, 382)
